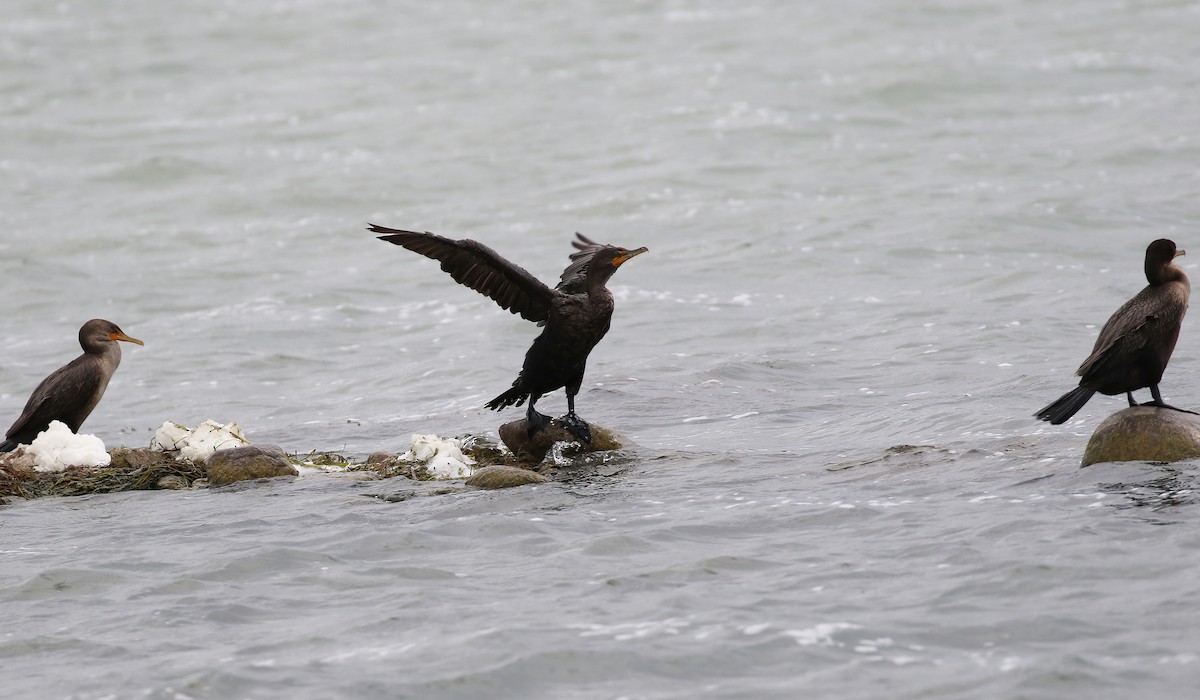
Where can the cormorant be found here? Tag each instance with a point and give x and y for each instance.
(575, 314)
(71, 392)
(1136, 343)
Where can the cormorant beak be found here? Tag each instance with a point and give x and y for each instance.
(1178, 253)
(121, 336)
(620, 259)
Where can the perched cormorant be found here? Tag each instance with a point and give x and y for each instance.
(1136, 343)
(71, 392)
(575, 313)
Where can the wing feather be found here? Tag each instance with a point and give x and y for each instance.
(477, 266)
(1126, 333)
(58, 397)
(1117, 351)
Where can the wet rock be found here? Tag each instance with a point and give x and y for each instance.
(127, 458)
(250, 462)
(532, 450)
(1145, 433)
(501, 477)
(484, 452)
(172, 482)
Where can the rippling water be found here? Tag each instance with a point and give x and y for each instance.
(881, 236)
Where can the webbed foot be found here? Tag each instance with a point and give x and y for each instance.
(536, 422)
(576, 426)
(1163, 405)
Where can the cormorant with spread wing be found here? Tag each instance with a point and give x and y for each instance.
(575, 314)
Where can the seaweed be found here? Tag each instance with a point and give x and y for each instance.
(130, 470)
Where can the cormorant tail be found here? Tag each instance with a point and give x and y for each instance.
(513, 397)
(8, 446)
(1066, 406)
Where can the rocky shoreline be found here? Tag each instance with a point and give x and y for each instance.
(551, 455)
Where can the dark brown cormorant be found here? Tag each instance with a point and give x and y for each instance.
(575, 314)
(71, 392)
(1136, 343)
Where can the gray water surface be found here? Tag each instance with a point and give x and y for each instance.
(881, 236)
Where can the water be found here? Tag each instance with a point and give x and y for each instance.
(881, 236)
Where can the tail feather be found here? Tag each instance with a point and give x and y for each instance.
(8, 446)
(1066, 406)
(513, 397)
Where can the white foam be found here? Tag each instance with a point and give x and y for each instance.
(199, 444)
(443, 457)
(820, 634)
(57, 448)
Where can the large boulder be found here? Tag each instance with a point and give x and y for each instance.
(532, 449)
(250, 462)
(1145, 433)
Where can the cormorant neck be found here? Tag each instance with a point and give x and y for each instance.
(1162, 274)
(96, 346)
(597, 278)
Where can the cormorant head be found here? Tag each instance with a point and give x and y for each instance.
(622, 255)
(97, 333)
(606, 261)
(1159, 255)
(614, 256)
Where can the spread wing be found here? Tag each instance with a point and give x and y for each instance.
(477, 266)
(574, 278)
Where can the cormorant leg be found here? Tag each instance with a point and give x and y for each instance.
(1158, 401)
(535, 421)
(574, 424)
(1129, 395)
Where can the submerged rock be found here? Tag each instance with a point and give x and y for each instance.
(251, 462)
(172, 482)
(1145, 433)
(501, 477)
(532, 450)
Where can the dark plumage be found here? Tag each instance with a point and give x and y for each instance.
(71, 392)
(575, 314)
(1135, 345)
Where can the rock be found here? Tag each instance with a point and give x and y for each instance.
(1145, 433)
(172, 482)
(130, 458)
(484, 452)
(251, 462)
(532, 450)
(501, 477)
